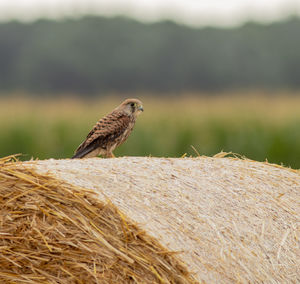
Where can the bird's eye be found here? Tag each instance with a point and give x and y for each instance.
(132, 104)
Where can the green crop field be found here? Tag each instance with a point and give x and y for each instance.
(255, 126)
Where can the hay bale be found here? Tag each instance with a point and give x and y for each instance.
(229, 220)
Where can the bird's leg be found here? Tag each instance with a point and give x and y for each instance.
(110, 155)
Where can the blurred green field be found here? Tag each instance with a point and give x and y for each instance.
(256, 126)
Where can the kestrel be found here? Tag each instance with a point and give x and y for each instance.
(110, 131)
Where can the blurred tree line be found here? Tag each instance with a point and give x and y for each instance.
(97, 54)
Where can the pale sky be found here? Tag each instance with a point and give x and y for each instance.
(192, 12)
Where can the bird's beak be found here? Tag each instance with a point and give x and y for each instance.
(140, 108)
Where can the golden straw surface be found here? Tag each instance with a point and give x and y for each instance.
(55, 232)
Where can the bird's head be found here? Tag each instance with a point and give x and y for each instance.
(131, 107)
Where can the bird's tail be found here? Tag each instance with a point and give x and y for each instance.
(77, 156)
(81, 153)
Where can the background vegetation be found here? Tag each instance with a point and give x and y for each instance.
(251, 125)
(95, 55)
(185, 76)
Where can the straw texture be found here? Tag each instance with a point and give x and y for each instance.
(228, 220)
(53, 232)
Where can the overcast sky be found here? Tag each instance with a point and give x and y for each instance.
(193, 12)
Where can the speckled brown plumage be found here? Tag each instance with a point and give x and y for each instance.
(110, 131)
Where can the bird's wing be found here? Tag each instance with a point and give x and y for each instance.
(106, 129)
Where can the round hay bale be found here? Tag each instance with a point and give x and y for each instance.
(149, 220)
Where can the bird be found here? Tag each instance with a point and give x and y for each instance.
(110, 131)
